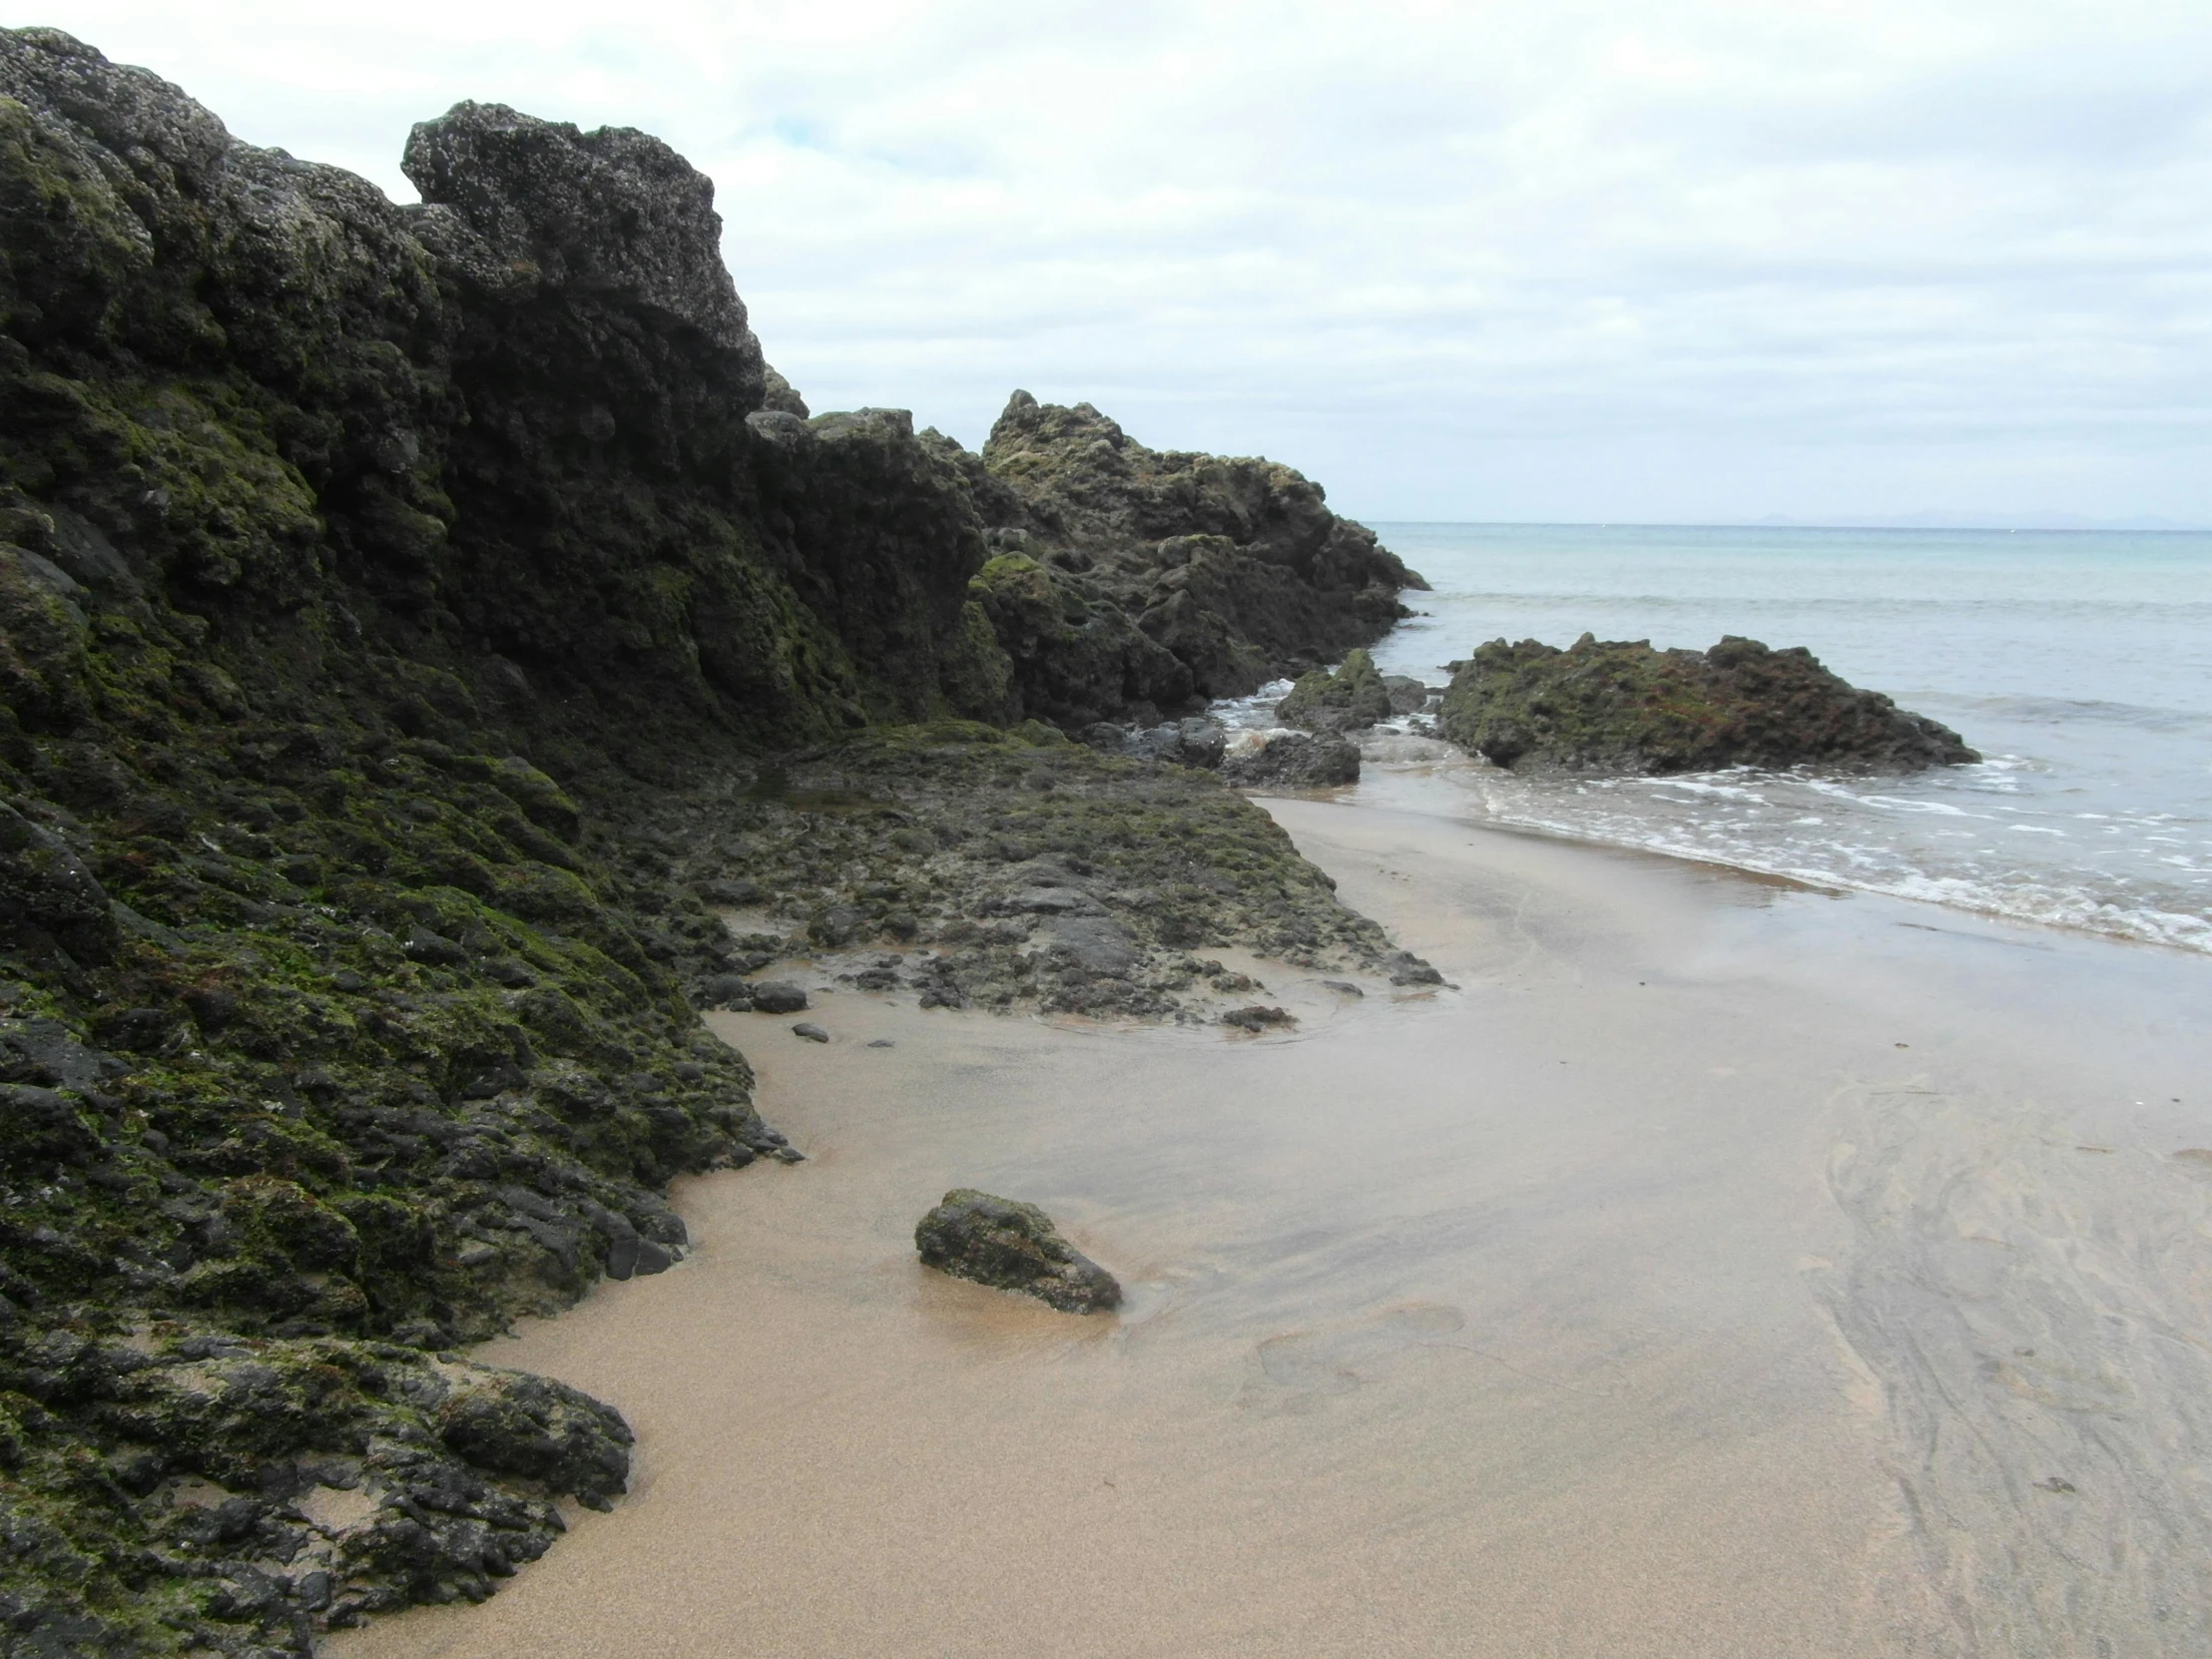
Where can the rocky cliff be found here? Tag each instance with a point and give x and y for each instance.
(399, 611)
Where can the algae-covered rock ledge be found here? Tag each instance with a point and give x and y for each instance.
(1621, 706)
(420, 627)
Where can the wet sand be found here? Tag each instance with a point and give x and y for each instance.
(1720, 1269)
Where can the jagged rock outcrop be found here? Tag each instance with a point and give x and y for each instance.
(1624, 706)
(1156, 580)
(548, 209)
(1012, 1246)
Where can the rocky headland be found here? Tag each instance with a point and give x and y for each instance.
(1624, 706)
(438, 655)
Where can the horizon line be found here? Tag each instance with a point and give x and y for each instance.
(2109, 527)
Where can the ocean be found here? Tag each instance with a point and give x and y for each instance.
(2078, 663)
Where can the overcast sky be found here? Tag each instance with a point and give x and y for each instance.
(1585, 259)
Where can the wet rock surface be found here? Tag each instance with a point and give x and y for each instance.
(1624, 706)
(1347, 698)
(1295, 761)
(278, 1487)
(1012, 1246)
(954, 877)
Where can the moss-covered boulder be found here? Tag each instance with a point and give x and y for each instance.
(1345, 700)
(1012, 1246)
(1624, 706)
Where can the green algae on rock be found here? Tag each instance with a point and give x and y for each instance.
(396, 606)
(1353, 697)
(1012, 1246)
(1624, 706)
(993, 868)
(1168, 578)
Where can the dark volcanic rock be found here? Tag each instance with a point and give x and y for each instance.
(1012, 1247)
(613, 211)
(47, 894)
(1624, 706)
(1293, 761)
(777, 996)
(1346, 701)
(1405, 968)
(1197, 742)
(1407, 694)
(396, 604)
(1125, 575)
(1257, 1019)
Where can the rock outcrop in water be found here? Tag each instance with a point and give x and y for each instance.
(1012, 1246)
(1624, 706)
(398, 608)
(1355, 696)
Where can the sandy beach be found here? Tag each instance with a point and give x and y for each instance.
(1718, 1266)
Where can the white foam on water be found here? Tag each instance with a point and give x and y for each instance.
(2092, 806)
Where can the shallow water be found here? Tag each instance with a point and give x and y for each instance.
(2079, 664)
(1663, 1288)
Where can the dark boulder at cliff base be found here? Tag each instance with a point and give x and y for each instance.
(1012, 1246)
(1612, 706)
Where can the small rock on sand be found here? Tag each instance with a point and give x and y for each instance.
(778, 996)
(1258, 1018)
(1012, 1246)
(810, 1031)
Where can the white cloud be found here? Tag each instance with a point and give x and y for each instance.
(1700, 260)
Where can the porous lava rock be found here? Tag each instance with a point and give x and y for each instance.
(1624, 706)
(1012, 1246)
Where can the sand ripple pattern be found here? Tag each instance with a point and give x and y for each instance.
(2034, 1309)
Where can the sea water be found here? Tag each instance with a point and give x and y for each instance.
(2079, 664)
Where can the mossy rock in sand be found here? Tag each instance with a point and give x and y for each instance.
(1012, 1246)
(1609, 706)
(1353, 697)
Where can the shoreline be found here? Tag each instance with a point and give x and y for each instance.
(1394, 781)
(1557, 1311)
